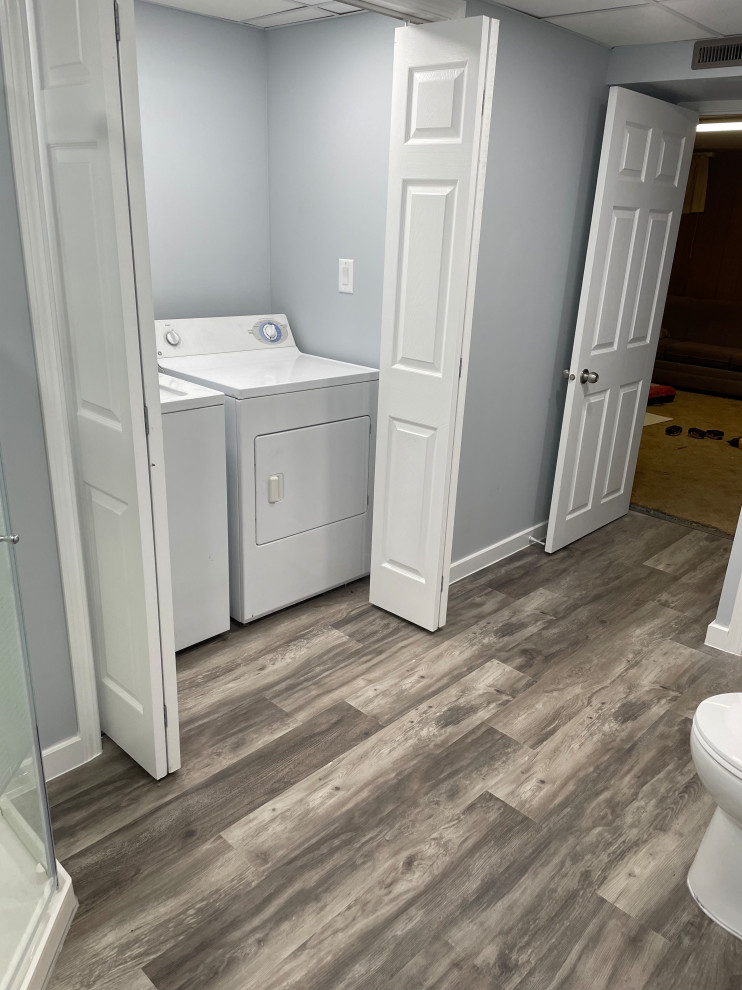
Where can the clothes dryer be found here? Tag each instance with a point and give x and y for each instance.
(300, 433)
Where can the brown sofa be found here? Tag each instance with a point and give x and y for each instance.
(701, 346)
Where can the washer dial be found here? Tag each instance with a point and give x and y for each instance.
(270, 332)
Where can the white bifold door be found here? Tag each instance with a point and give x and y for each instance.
(441, 99)
(643, 172)
(118, 465)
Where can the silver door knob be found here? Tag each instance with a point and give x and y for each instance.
(13, 538)
(589, 377)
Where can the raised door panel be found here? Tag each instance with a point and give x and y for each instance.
(87, 206)
(443, 76)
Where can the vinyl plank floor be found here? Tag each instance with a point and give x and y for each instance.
(307, 887)
(207, 746)
(506, 804)
(173, 829)
(151, 913)
(295, 816)
(610, 951)
(689, 552)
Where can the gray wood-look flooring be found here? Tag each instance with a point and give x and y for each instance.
(507, 804)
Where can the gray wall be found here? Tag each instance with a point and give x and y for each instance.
(329, 104)
(547, 122)
(204, 130)
(24, 458)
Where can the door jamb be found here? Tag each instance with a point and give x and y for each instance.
(21, 83)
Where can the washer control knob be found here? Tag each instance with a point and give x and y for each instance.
(271, 331)
(172, 337)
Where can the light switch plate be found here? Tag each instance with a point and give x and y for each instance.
(345, 275)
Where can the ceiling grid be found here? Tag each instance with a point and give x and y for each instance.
(609, 22)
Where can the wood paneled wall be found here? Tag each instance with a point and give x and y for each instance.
(708, 257)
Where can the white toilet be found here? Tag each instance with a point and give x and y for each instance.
(715, 878)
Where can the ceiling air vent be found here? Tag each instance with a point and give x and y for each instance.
(717, 54)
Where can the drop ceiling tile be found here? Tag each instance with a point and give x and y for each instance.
(724, 16)
(640, 25)
(551, 8)
(232, 10)
(338, 8)
(290, 17)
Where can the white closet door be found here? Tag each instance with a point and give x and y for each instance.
(647, 147)
(83, 161)
(441, 99)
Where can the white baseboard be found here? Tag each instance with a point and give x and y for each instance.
(721, 638)
(498, 551)
(64, 756)
(43, 953)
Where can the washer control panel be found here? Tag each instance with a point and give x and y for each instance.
(270, 331)
(222, 335)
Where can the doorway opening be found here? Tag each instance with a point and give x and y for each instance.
(690, 462)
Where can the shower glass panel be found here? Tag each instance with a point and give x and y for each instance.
(27, 865)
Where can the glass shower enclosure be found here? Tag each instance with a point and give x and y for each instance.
(28, 877)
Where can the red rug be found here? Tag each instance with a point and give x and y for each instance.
(660, 393)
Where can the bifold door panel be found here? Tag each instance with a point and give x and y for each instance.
(88, 216)
(310, 477)
(441, 98)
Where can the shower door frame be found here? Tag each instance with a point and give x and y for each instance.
(56, 915)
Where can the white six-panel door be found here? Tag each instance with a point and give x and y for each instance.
(643, 172)
(441, 97)
(82, 151)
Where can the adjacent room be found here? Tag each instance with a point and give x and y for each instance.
(689, 464)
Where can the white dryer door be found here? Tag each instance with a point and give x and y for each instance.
(310, 477)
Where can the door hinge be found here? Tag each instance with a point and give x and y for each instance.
(164, 708)
(442, 580)
(146, 421)
(461, 366)
(116, 19)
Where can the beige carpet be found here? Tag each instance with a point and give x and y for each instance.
(697, 480)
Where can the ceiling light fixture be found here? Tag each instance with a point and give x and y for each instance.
(731, 125)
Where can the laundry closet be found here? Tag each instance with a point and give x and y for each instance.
(300, 428)
(266, 155)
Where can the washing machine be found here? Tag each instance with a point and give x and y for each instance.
(300, 433)
(196, 486)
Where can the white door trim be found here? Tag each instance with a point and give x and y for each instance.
(725, 632)
(728, 639)
(20, 73)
